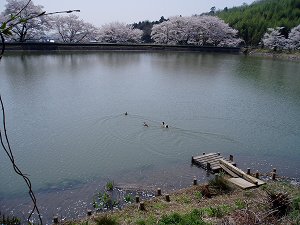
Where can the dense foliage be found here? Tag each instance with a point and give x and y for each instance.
(252, 21)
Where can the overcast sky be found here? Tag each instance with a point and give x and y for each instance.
(99, 12)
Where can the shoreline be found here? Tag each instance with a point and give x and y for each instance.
(290, 56)
(233, 205)
(58, 47)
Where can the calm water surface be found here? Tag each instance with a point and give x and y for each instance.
(66, 122)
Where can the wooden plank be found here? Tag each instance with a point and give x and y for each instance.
(209, 157)
(209, 154)
(241, 183)
(241, 173)
(229, 171)
(208, 160)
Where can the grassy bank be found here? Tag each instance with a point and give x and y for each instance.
(215, 203)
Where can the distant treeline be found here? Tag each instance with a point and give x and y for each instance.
(146, 27)
(253, 20)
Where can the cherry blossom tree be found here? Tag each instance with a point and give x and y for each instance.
(273, 39)
(119, 33)
(32, 29)
(71, 29)
(294, 38)
(197, 30)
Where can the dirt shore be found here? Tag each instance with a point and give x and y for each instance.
(211, 204)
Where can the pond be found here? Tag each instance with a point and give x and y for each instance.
(68, 130)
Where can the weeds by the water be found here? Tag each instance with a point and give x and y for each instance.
(104, 201)
(128, 198)
(9, 220)
(110, 185)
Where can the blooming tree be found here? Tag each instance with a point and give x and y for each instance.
(28, 29)
(119, 33)
(197, 30)
(71, 29)
(294, 38)
(273, 39)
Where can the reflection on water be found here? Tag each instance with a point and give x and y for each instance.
(66, 122)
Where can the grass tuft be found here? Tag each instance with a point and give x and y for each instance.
(110, 185)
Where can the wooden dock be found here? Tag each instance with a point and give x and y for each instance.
(214, 162)
(210, 161)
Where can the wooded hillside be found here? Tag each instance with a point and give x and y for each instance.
(253, 20)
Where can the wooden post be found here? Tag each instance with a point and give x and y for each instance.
(142, 206)
(137, 199)
(89, 212)
(248, 171)
(55, 219)
(274, 175)
(192, 159)
(167, 197)
(231, 158)
(208, 166)
(158, 192)
(274, 170)
(203, 153)
(257, 175)
(195, 181)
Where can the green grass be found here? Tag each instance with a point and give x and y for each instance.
(239, 204)
(217, 211)
(128, 198)
(159, 205)
(184, 199)
(110, 185)
(149, 221)
(193, 218)
(198, 195)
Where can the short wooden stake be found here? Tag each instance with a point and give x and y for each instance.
(167, 198)
(195, 181)
(274, 176)
(257, 174)
(248, 171)
(158, 192)
(137, 199)
(203, 153)
(208, 166)
(55, 219)
(192, 159)
(142, 206)
(231, 158)
(89, 212)
(274, 170)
